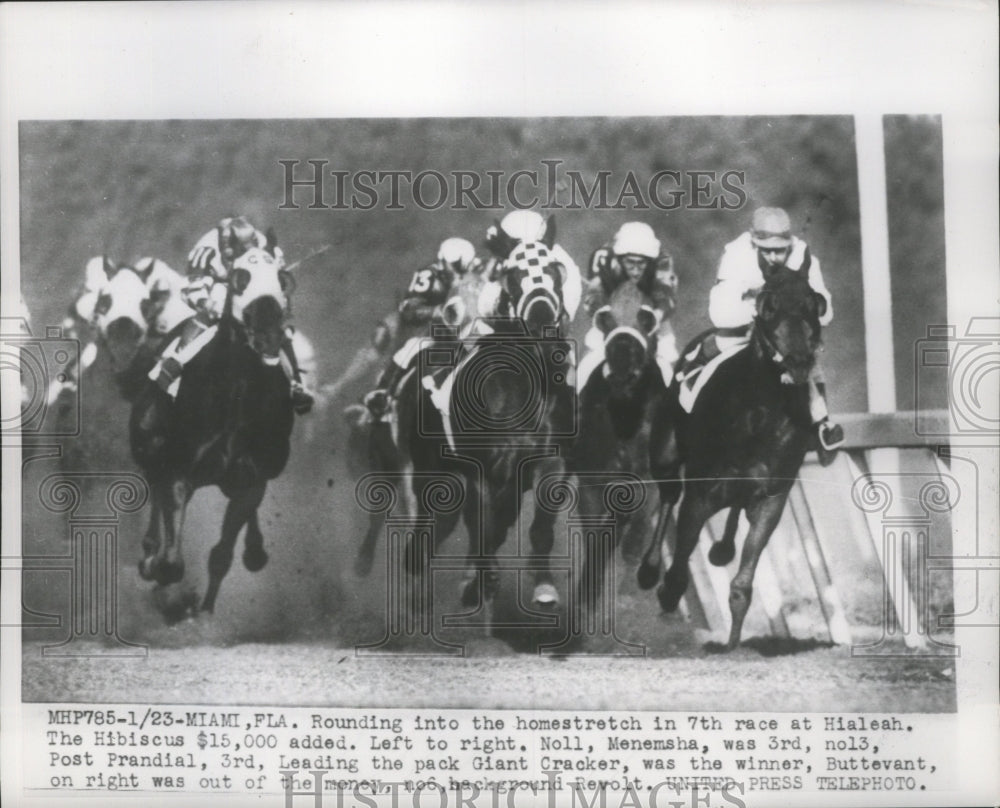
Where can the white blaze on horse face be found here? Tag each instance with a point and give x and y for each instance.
(127, 293)
(264, 280)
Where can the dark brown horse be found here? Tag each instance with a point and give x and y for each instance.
(229, 426)
(511, 421)
(742, 444)
(616, 410)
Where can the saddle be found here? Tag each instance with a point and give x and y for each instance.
(699, 364)
(439, 384)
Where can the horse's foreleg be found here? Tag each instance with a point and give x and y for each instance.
(587, 588)
(152, 541)
(664, 465)
(724, 550)
(241, 508)
(764, 516)
(473, 512)
(167, 566)
(254, 554)
(652, 559)
(694, 512)
(542, 536)
(488, 516)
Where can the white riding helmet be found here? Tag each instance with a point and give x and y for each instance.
(457, 253)
(525, 226)
(636, 238)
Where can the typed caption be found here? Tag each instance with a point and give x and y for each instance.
(319, 756)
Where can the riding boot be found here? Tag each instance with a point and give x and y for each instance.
(377, 401)
(691, 363)
(829, 435)
(302, 399)
(167, 371)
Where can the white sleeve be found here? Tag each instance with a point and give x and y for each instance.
(739, 260)
(738, 273)
(489, 296)
(816, 282)
(572, 290)
(726, 306)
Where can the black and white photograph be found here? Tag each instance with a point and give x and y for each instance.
(556, 452)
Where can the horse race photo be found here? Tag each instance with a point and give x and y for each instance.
(416, 411)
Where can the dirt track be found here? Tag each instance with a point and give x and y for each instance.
(821, 680)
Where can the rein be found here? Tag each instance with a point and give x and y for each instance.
(771, 349)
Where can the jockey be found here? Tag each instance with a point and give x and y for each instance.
(208, 272)
(522, 227)
(746, 261)
(636, 255)
(430, 299)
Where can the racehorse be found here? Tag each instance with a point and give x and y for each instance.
(383, 445)
(742, 444)
(229, 426)
(616, 409)
(511, 419)
(129, 323)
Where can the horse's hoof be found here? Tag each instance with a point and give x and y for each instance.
(669, 597)
(721, 554)
(546, 597)
(717, 648)
(254, 559)
(647, 575)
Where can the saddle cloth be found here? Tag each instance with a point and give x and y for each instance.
(692, 382)
(440, 394)
(183, 356)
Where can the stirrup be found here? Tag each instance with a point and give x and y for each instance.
(377, 402)
(168, 373)
(831, 436)
(302, 399)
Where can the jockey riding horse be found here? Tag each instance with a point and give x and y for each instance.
(505, 421)
(617, 406)
(228, 426)
(742, 443)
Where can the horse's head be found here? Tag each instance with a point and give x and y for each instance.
(629, 324)
(119, 314)
(532, 284)
(258, 297)
(787, 321)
